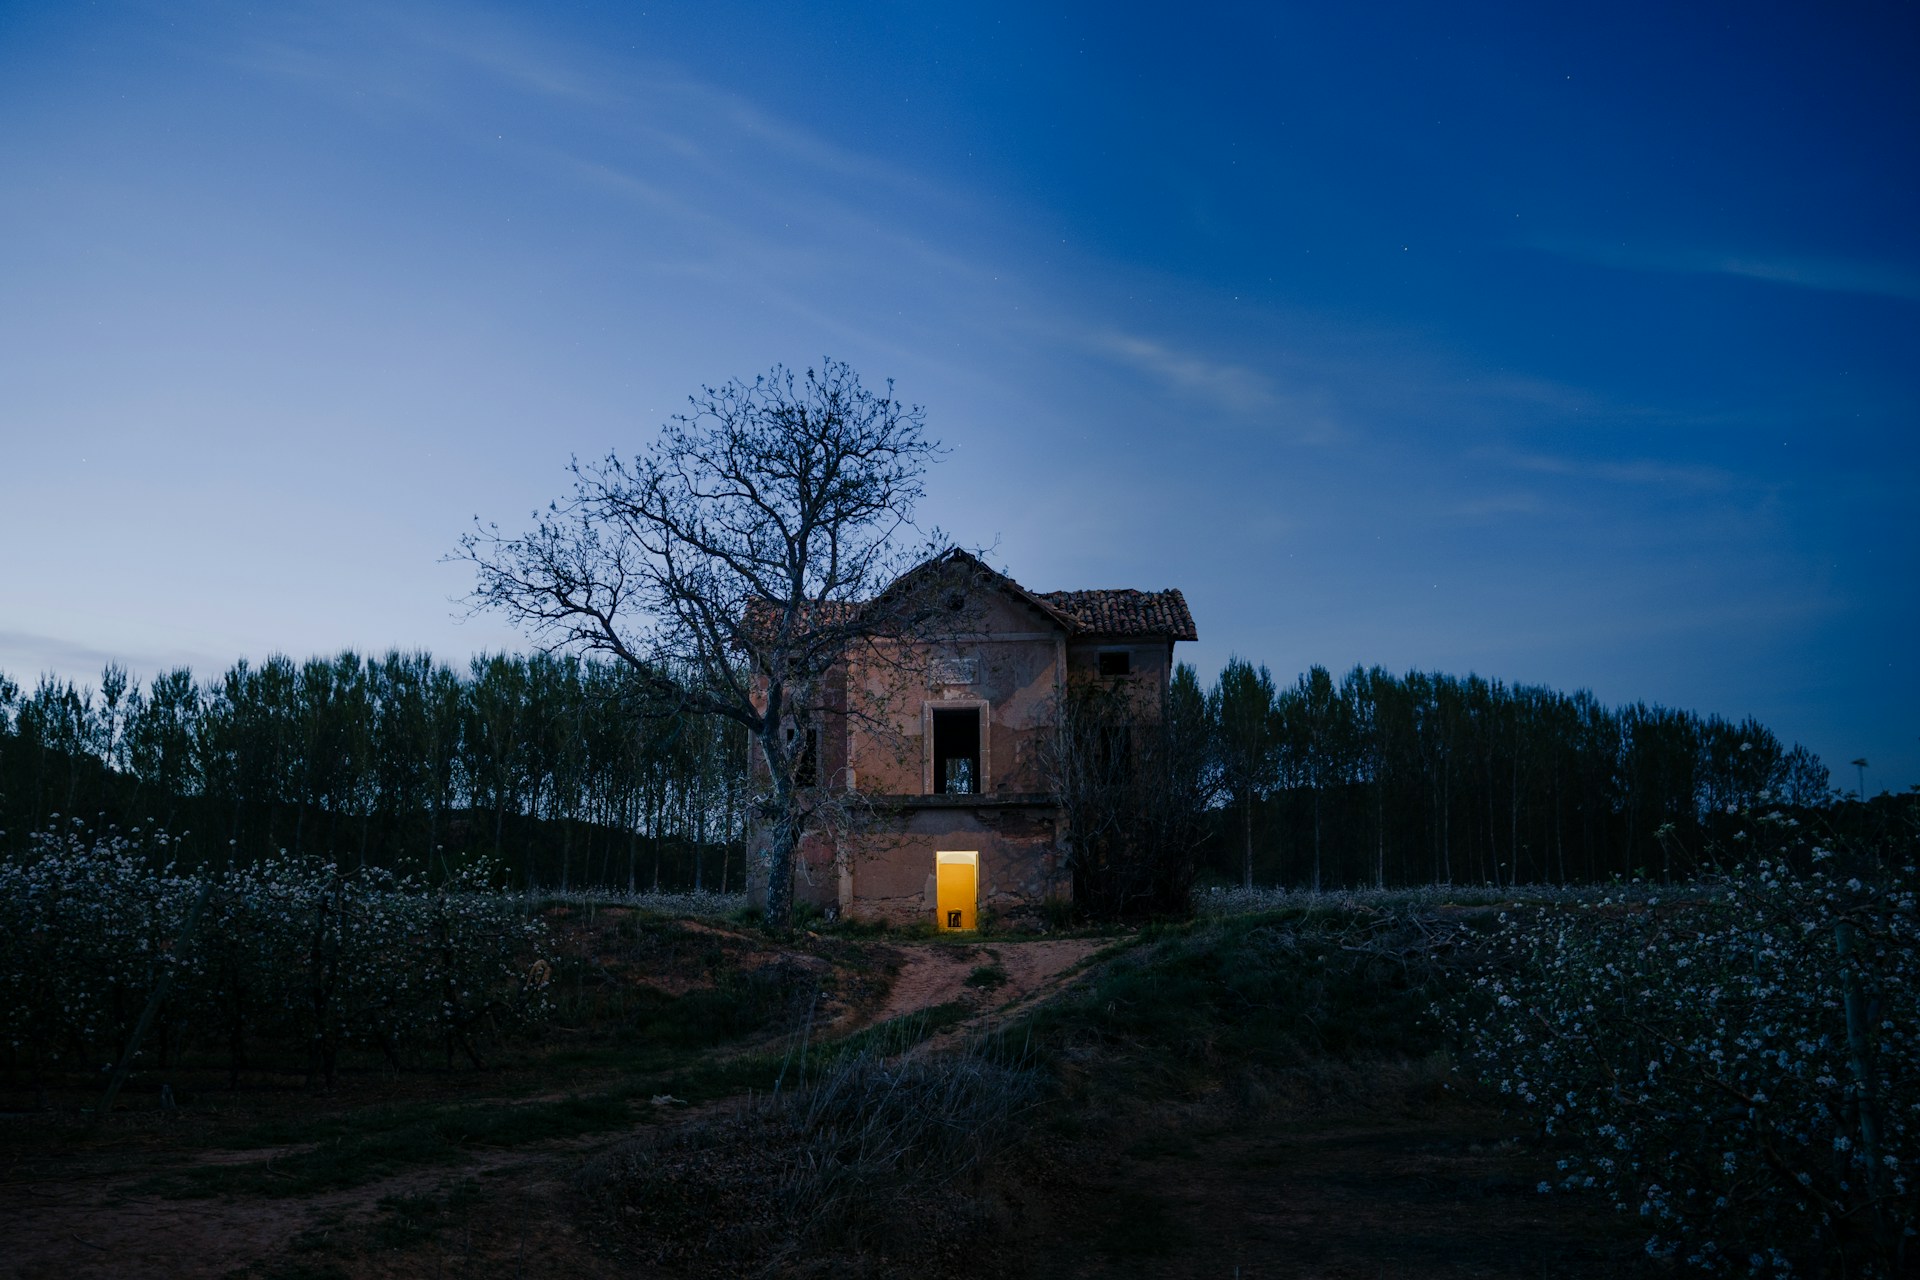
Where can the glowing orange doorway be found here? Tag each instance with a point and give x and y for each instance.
(957, 888)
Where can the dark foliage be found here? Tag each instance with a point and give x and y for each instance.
(541, 764)
(1133, 779)
(561, 772)
(1383, 780)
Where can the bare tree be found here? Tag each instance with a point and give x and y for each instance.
(732, 563)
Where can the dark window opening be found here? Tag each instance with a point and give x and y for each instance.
(1118, 663)
(806, 768)
(956, 752)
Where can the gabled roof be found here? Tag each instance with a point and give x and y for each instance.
(1124, 611)
(1116, 612)
(955, 561)
(1120, 611)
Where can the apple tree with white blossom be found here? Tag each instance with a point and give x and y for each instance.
(1741, 1070)
(284, 962)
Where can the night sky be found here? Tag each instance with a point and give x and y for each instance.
(1575, 345)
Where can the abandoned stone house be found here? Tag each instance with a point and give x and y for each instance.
(941, 749)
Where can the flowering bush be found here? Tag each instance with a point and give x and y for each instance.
(1741, 1070)
(1224, 900)
(695, 904)
(285, 955)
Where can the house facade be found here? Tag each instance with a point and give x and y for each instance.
(936, 747)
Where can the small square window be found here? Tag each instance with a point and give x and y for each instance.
(1117, 662)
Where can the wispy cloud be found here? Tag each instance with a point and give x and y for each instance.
(699, 161)
(1644, 472)
(1536, 393)
(1232, 387)
(1235, 390)
(1498, 506)
(1886, 279)
(512, 55)
(431, 62)
(1503, 499)
(1833, 275)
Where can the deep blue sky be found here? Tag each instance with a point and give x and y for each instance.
(1571, 345)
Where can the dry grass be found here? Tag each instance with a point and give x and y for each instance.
(852, 1163)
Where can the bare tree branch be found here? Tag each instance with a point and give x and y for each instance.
(733, 561)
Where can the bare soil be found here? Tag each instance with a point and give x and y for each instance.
(934, 975)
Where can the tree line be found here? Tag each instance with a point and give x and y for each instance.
(565, 773)
(1378, 779)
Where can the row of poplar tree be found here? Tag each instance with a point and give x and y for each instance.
(558, 770)
(562, 773)
(1378, 779)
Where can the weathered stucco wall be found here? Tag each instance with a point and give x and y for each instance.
(1152, 660)
(888, 870)
(1006, 656)
(892, 869)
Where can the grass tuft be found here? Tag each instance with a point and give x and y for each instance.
(988, 977)
(1299, 991)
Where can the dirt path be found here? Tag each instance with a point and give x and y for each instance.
(931, 976)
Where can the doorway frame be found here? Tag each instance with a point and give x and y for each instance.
(941, 911)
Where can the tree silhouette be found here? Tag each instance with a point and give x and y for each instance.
(732, 563)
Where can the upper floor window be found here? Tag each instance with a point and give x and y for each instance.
(956, 751)
(1116, 662)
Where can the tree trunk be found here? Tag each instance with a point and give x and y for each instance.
(786, 843)
(633, 856)
(1513, 817)
(1379, 834)
(1316, 835)
(1246, 805)
(699, 845)
(787, 820)
(1434, 851)
(1493, 842)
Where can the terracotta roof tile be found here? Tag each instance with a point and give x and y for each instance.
(1126, 612)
